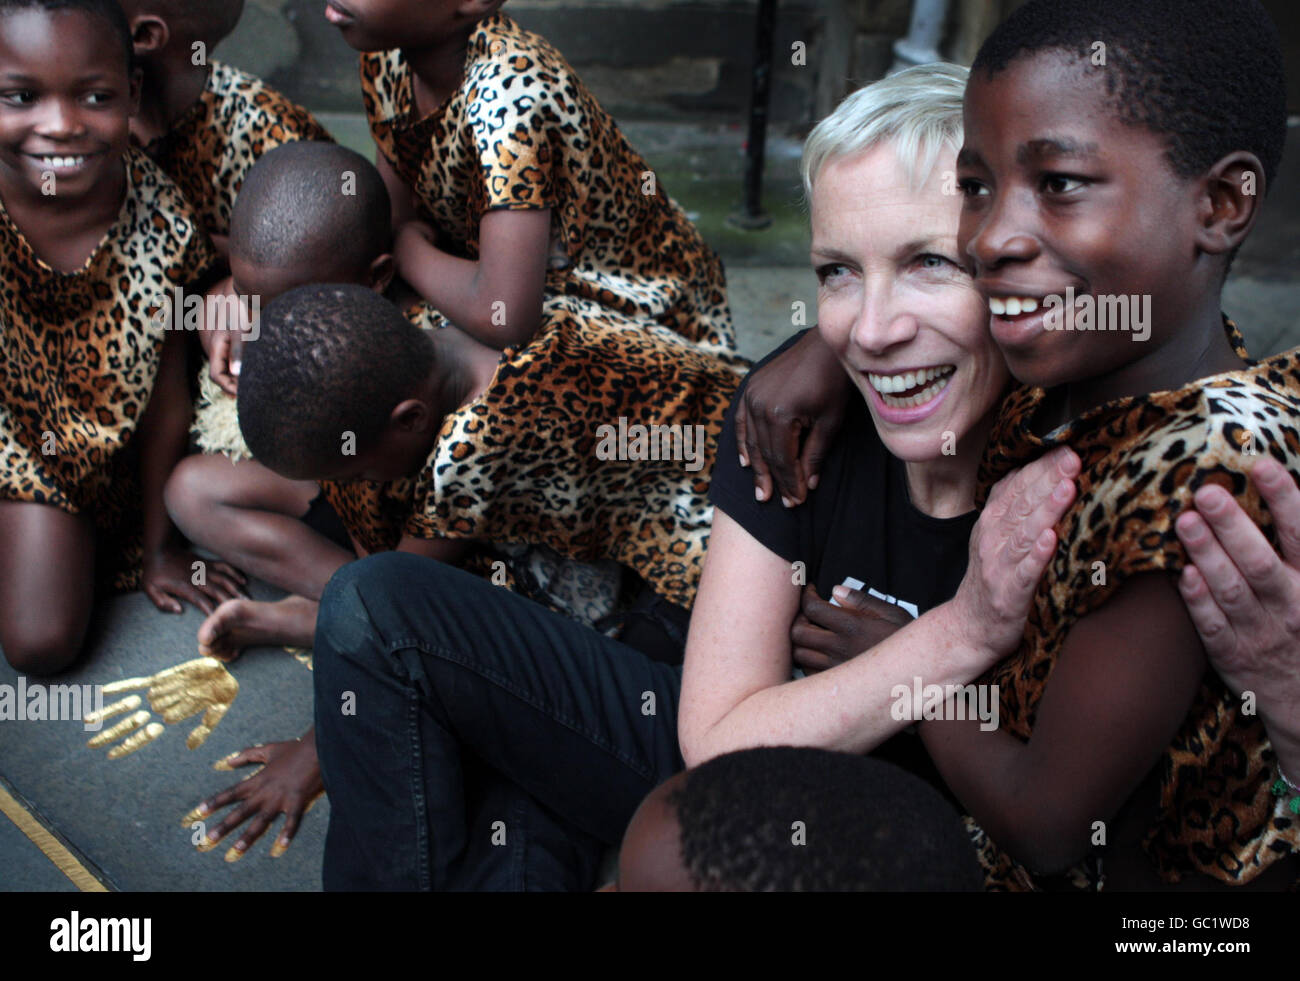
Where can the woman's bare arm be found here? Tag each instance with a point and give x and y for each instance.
(736, 687)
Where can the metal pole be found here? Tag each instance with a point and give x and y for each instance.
(921, 45)
(751, 215)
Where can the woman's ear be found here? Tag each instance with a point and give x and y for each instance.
(1230, 196)
(149, 35)
(382, 271)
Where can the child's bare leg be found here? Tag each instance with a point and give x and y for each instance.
(47, 586)
(252, 517)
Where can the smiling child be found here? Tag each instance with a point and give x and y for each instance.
(1119, 150)
(93, 403)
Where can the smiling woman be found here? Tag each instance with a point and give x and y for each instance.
(902, 318)
(900, 313)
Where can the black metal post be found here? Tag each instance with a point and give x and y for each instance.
(751, 214)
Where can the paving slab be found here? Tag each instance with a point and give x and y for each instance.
(125, 814)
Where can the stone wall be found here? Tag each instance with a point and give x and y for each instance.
(664, 59)
(661, 59)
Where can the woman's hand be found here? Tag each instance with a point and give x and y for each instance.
(826, 634)
(1010, 547)
(173, 574)
(798, 397)
(1244, 599)
(288, 783)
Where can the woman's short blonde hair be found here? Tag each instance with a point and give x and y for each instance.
(919, 110)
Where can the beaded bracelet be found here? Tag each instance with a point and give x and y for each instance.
(1283, 787)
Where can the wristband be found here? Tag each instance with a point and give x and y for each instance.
(1283, 787)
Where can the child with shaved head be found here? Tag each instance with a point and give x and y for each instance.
(292, 225)
(796, 819)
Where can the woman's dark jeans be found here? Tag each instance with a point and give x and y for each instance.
(472, 739)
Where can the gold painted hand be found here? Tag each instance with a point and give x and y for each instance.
(178, 693)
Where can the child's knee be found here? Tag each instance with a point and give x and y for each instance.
(38, 650)
(190, 491)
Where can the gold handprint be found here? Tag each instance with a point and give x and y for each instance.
(178, 693)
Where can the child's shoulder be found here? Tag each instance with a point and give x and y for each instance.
(1220, 421)
(247, 103)
(160, 228)
(500, 39)
(158, 194)
(1143, 462)
(508, 70)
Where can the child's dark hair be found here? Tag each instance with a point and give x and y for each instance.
(106, 10)
(329, 360)
(808, 820)
(306, 200)
(1206, 74)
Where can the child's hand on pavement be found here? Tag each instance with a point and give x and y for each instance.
(288, 783)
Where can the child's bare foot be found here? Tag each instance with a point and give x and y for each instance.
(241, 623)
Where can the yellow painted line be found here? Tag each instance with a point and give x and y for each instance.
(63, 859)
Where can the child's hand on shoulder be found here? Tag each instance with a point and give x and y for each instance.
(788, 417)
(173, 574)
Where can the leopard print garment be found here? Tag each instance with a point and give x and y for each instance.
(212, 147)
(522, 132)
(79, 353)
(1143, 459)
(523, 463)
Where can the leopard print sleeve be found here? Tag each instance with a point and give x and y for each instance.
(522, 132)
(549, 453)
(514, 136)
